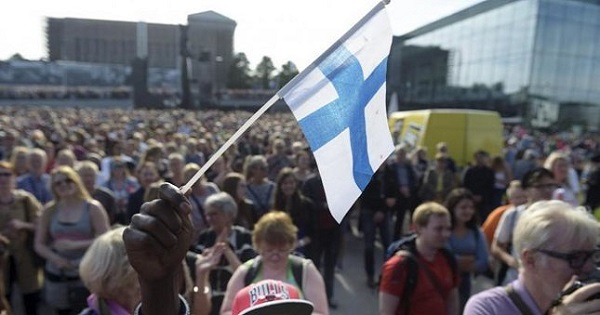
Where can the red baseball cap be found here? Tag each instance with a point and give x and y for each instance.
(270, 297)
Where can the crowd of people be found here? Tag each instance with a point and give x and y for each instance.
(71, 179)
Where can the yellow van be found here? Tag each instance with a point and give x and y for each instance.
(464, 130)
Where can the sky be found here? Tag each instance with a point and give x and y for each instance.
(297, 31)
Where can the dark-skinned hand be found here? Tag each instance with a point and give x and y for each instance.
(159, 236)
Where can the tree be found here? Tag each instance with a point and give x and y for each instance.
(263, 72)
(17, 56)
(239, 72)
(288, 72)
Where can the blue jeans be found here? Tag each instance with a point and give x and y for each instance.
(369, 228)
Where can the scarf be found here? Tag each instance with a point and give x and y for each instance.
(105, 307)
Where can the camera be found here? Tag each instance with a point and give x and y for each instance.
(592, 278)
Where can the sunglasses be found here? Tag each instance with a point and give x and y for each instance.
(576, 259)
(5, 174)
(61, 182)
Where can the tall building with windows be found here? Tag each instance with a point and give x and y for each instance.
(538, 59)
(110, 42)
(209, 46)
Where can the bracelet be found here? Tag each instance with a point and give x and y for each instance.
(205, 291)
(184, 308)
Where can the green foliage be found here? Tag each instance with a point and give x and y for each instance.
(239, 72)
(287, 73)
(17, 56)
(264, 71)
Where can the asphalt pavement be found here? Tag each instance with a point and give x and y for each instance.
(351, 292)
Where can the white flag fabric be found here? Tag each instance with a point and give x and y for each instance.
(339, 102)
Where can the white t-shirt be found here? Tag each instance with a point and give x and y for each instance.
(504, 234)
(565, 194)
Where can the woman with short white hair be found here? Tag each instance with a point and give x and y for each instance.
(552, 220)
(556, 244)
(232, 243)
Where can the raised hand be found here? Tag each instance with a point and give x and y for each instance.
(158, 237)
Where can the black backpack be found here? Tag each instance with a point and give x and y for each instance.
(408, 244)
(297, 264)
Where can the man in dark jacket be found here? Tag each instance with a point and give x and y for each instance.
(327, 235)
(592, 196)
(401, 181)
(374, 215)
(479, 179)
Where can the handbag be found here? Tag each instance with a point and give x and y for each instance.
(38, 261)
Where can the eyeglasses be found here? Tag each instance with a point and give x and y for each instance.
(576, 259)
(278, 251)
(5, 174)
(61, 182)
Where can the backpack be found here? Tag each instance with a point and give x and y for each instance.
(298, 264)
(503, 269)
(408, 243)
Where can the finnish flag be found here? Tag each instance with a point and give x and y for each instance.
(339, 102)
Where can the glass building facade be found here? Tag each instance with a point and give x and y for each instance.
(537, 59)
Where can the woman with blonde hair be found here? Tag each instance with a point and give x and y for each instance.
(274, 237)
(106, 272)
(19, 160)
(67, 227)
(65, 157)
(558, 163)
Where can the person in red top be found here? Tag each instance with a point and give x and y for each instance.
(436, 284)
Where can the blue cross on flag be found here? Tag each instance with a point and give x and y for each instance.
(339, 101)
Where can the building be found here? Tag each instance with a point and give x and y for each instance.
(207, 40)
(538, 59)
(110, 42)
(211, 45)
